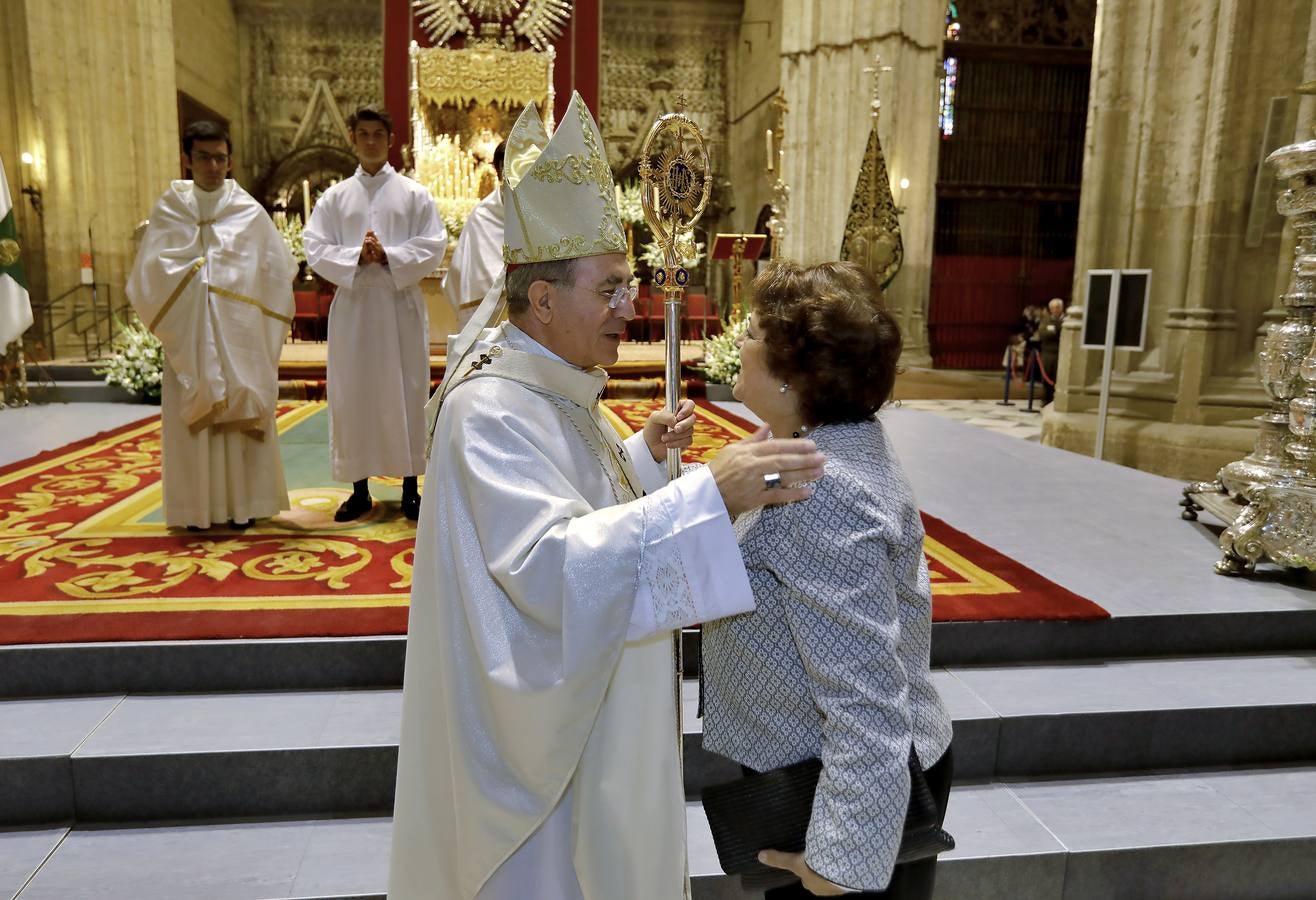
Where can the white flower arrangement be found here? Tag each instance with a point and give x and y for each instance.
(629, 205)
(722, 353)
(290, 229)
(454, 211)
(139, 363)
(690, 251)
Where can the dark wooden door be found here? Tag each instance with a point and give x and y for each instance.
(1008, 181)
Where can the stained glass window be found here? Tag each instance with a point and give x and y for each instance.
(951, 72)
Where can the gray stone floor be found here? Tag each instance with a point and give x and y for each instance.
(1014, 421)
(1106, 532)
(1076, 839)
(28, 430)
(1185, 805)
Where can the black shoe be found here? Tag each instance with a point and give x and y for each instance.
(411, 506)
(354, 507)
(241, 526)
(195, 528)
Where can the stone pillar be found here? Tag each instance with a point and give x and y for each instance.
(824, 49)
(208, 67)
(99, 86)
(1178, 105)
(18, 136)
(753, 79)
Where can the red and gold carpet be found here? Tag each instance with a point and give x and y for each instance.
(84, 554)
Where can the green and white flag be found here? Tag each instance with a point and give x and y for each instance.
(15, 307)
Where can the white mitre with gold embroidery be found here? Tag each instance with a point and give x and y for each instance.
(562, 206)
(525, 142)
(558, 203)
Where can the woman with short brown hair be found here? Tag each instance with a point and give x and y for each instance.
(834, 663)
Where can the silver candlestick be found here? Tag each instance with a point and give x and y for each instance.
(1277, 481)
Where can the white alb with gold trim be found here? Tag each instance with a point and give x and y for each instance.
(213, 281)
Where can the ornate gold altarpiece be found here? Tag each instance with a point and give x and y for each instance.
(463, 102)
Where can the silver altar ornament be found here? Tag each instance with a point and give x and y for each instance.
(1269, 497)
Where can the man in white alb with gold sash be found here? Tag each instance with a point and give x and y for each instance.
(213, 281)
(538, 754)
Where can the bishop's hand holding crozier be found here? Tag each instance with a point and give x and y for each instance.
(538, 755)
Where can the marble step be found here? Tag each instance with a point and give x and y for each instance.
(150, 756)
(1207, 836)
(35, 670)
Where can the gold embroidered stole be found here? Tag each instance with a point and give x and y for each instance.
(576, 393)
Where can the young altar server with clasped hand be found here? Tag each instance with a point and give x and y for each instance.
(376, 235)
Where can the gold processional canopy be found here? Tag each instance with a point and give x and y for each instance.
(463, 103)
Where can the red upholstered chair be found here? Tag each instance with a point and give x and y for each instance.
(650, 301)
(305, 316)
(701, 318)
(326, 300)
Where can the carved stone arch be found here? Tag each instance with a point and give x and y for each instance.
(321, 165)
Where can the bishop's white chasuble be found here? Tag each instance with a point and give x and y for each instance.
(477, 259)
(539, 747)
(378, 370)
(213, 281)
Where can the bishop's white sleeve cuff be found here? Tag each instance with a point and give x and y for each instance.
(653, 475)
(691, 569)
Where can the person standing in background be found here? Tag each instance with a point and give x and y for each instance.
(376, 235)
(478, 257)
(1048, 344)
(213, 281)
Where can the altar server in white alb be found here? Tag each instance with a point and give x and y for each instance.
(213, 281)
(376, 235)
(477, 260)
(538, 755)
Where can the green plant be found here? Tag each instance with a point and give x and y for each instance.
(138, 364)
(722, 353)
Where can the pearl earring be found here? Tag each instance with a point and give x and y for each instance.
(783, 389)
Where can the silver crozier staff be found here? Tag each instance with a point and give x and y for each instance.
(675, 182)
(675, 179)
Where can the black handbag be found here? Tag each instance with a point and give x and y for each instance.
(771, 810)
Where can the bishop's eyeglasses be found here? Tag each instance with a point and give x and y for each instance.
(616, 296)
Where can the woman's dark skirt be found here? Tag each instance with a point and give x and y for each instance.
(911, 881)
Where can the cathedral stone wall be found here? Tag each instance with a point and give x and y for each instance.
(754, 80)
(17, 136)
(93, 97)
(824, 51)
(288, 48)
(1177, 113)
(207, 65)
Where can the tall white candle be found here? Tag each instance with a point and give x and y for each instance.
(306, 197)
(771, 154)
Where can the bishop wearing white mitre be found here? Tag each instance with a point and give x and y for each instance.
(376, 235)
(213, 281)
(538, 756)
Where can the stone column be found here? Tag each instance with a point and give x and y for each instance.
(17, 136)
(208, 68)
(824, 49)
(103, 127)
(1178, 105)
